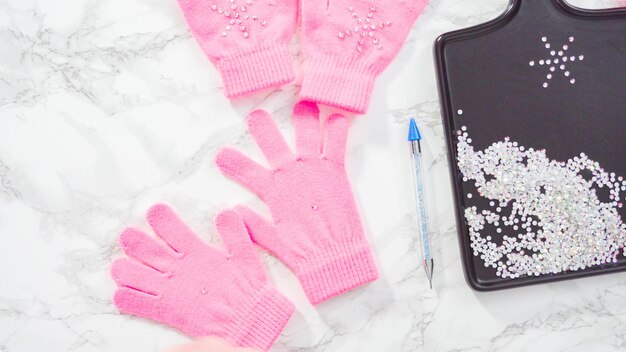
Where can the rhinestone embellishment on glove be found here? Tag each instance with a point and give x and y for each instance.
(558, 58)
(238, 17)
(543, 216)
(364, 29)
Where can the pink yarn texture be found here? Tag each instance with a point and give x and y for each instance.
(246, 40)
(315, 227)
(348, 44)
(182, 282)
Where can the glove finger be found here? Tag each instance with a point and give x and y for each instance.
(262, 232)
(243, 170)
(237, 241)
(167, 225)
(335, 138)
(269, 139)
(307, 126)
(130, 273)
(137, 303)
(138, 245)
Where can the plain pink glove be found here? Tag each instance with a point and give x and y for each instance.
(196, 288)
(348, 44)
(315, 228)
(247, 40)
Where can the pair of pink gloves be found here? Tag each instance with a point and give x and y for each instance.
(347, 43)
(315, 230)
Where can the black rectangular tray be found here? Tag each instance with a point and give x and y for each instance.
(491, 73)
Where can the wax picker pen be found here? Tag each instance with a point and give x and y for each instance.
(420, 199)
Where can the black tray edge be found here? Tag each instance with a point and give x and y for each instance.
(447, 116)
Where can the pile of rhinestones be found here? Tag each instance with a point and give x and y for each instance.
(545, 216)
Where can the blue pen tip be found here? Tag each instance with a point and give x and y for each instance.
(414, 132)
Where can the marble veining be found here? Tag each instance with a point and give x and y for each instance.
(107, 107)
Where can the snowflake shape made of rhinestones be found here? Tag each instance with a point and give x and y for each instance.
(238, 16)
(544, 216)
(558, 58)
(364, 29)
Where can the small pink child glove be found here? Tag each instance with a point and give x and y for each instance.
(196, 288)
(315, 228)
(348, 43)
(247, 40)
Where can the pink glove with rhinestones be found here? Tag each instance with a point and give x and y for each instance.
(196, 288)
(348, 44)
(246, 39)
(315, 228)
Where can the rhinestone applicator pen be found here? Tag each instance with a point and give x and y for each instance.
(420, 199)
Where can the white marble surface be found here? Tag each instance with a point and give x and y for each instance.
(108, 106)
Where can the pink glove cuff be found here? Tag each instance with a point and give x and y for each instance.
(345, 83)
(261, 67)
(263, 320)
(335, 270)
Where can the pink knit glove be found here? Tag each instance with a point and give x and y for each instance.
(348, 43)
(246, 39)
(315, 228)
(196, 288)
